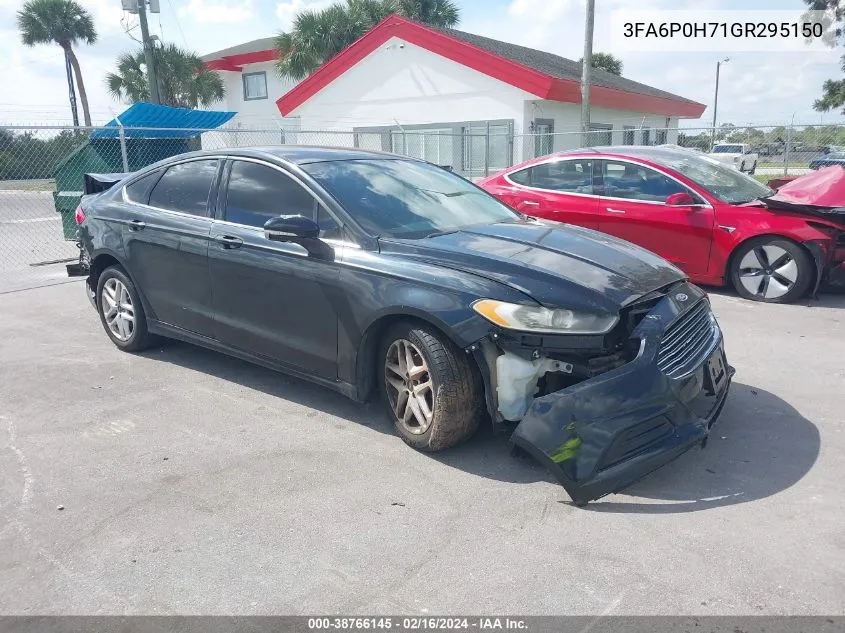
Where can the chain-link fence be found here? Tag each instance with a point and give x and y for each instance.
(41, 168)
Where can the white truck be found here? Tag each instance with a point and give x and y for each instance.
(737, 155)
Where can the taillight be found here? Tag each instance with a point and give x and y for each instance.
(80, 215)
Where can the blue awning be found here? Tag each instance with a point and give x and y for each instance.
(172, 122)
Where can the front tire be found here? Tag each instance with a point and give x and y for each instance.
(772, 270)
(429, 388)
(121, 311)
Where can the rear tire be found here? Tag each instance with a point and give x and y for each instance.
(121, 311)
(753, 169)
(429, 388)
(772, 270)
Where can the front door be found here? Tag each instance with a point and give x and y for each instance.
(273, 299)
(631, 205)
(166, 241)
(559, 190)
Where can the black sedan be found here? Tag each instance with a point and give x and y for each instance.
(368, 272)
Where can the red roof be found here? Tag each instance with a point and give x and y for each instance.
(459, 47)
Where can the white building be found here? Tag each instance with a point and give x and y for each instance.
(252, 87)
(450, 97)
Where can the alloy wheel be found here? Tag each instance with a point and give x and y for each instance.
(409, 387)
(118, 311)
(768, 271)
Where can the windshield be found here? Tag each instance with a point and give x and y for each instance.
(727, 149)
(724, 182)
(410, 199)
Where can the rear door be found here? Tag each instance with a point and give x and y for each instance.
(166, 241)
(632, 206)
(559, 190)
(273, 299)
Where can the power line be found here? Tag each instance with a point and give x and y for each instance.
(178, 24)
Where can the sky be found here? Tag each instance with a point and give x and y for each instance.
(755, 88)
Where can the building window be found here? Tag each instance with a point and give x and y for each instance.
(255, 86)
(628, 136)
(600, 134)
(646, 136)
(660, 137)
(431, 144)
(472, 148)
(543, 139)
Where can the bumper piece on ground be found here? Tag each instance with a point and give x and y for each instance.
(603, 434)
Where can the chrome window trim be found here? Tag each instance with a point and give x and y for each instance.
(125, 198)
(293, 177)
(706, 204)
(249, 159)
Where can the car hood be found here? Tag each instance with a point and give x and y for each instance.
(820, 193)
(558, 265)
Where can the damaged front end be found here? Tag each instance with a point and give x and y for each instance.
(602, 411)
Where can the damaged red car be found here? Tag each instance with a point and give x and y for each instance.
(721, 227)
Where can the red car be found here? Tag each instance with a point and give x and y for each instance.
(719, 226)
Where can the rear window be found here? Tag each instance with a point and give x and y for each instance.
(727, 149)
(185, 187)
(139, 191)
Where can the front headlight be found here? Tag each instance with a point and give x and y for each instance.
(515, 316)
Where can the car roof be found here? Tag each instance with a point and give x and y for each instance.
(645, 152)
(302, 154)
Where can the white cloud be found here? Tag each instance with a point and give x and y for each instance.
(286, 11)
(542, 10)
(218, 11)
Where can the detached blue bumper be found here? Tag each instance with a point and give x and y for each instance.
(602, 434)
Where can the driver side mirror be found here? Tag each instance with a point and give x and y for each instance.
(680, 199)
(291, 228)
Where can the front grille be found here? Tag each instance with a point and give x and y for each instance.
(685, 341)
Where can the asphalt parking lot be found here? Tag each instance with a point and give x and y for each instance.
(194, 483)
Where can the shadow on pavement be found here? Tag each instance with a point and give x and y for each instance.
(827, 298)
(759, 447)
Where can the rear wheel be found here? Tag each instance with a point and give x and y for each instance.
(429, 388)
(121, 311)
(753, 169)
(772, 270)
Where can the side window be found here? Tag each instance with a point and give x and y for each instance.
(568, 176)
(185, 187)
(139, 191)
(329, 228)
(521, 177)
(636, 182)
(257, 193)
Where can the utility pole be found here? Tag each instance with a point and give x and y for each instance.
(716, 100)
(152, 80)
(586, 69)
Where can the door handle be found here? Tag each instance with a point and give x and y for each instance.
(612, 210)
(530, 203)
(229, 241)
(136, 225)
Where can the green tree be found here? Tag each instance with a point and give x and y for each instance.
(62, 22)
(605, 61)
(183, 79)
(833, 90)
(317, 36)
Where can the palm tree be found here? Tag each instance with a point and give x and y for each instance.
(317, 36)
(62, 22)
(183, 79)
